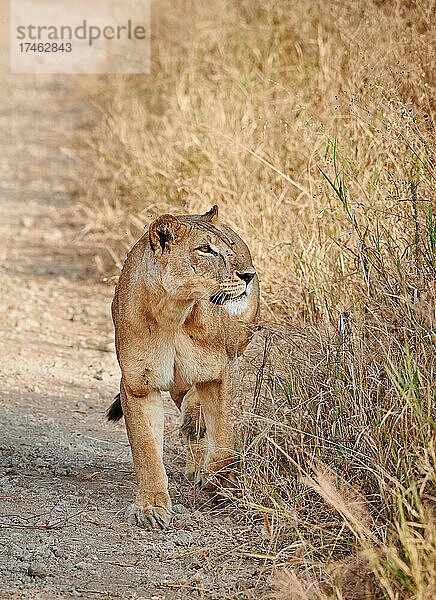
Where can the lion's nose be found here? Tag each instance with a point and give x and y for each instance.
(247, 277)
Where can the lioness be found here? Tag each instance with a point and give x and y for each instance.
(187, 292)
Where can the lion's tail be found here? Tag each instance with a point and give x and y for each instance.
(115, 411)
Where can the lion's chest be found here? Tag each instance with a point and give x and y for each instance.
(196, 361)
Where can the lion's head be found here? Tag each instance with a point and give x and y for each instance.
(201, 258)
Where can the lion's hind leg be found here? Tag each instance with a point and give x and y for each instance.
(193, 429)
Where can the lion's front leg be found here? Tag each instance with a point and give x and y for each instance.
(217, 402)
(144, 417)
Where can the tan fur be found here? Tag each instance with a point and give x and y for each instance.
(171, 335)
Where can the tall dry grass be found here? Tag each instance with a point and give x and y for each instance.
(312, 125)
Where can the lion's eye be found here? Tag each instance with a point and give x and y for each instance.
(205, 249)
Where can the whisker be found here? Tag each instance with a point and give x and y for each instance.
(220, 314)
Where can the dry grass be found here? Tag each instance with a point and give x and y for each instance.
(311, 124)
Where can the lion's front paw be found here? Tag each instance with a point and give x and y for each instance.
(149, 517)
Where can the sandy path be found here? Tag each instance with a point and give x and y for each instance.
(66, 475)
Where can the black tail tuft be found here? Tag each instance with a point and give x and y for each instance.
(115, 411)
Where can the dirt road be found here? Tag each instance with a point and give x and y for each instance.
(66, 475)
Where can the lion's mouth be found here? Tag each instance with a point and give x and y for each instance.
(220, 298)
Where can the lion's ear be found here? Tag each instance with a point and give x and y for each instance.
(164, 233)
(211, 216)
